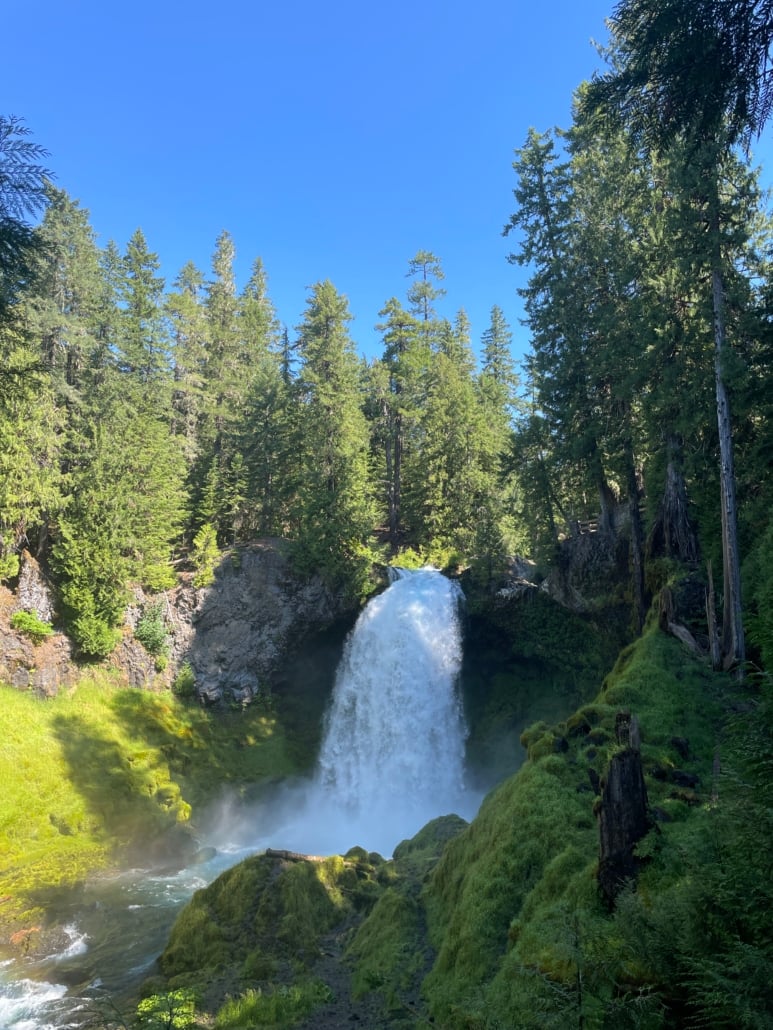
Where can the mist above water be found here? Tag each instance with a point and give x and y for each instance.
(392, 759)
(392, 755)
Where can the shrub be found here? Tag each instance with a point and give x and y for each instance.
(9, 566)
(174, 1010)
(31, 626)
(94, 636)
(184, 684)
(151, 629)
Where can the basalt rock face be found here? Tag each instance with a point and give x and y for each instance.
(237, 633)
(42, 668)
(590, 569)
(35, 593)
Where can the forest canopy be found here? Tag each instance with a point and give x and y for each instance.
(143, 423)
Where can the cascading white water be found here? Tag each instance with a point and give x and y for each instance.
(392, 756)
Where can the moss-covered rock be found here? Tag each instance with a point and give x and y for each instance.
(277, 923)
(527, 658)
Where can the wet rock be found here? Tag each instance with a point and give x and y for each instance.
(244, 624)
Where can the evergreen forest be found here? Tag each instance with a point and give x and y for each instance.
(648, 305)
(147, 426)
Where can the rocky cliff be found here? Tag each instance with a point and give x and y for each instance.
(235, 634)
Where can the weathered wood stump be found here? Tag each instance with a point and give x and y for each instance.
(623, 814)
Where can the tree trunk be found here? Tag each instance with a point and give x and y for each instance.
(672, 534)
(607, 499)
(733, 645)
(623, 818)
(711, 621)
(637, 539)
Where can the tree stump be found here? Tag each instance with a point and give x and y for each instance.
(624, 819)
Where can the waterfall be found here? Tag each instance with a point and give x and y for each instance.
(392, 755)
(392, 758)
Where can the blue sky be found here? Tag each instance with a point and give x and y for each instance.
(332, 140)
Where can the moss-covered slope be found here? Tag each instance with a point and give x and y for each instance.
(500, 924)
(527, 658)
(514, 913)
(102, 775)
(342, 936)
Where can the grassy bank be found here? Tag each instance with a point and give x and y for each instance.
(97, 774)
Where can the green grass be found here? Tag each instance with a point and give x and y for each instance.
(278, 1007)
(85, 773)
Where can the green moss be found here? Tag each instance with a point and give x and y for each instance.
(511, 905)
(415, 857)
(527, 660)
(111, 766)
(388, 950)
(263, 920)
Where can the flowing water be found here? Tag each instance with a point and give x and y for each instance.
(392, 758)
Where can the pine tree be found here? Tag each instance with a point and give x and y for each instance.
(336, 512)
(30, 440)
(424, 291)
(62, 306)
(267, 435)
(143, 343)
(561, 366)
(187, 317)
(697, 72)
(404, 360)
(448, 472)
(23, 181)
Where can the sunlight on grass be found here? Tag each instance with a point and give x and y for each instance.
(87, 772)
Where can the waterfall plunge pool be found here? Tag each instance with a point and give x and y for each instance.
(392, 759)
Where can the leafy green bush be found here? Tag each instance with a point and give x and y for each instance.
(172, 1011)
(31, 626)
(151, 629)
(9, 566)
(184, 684)
(95, 637)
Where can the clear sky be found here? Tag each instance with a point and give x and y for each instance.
(333, 140)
